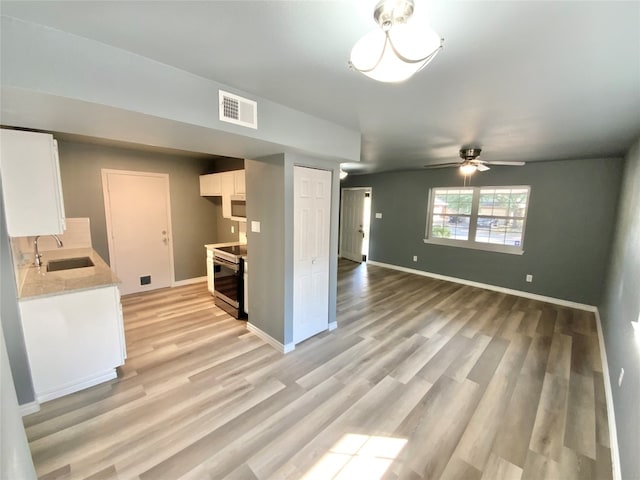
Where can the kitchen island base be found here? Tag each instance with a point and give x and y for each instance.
(74, 340)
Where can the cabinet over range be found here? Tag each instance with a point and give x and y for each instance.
(231, 187)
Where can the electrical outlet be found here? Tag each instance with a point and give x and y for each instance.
(621, 377)
(415, 258)
(529, 278)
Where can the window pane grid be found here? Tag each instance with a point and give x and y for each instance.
(480, 215)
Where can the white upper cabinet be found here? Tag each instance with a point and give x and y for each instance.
(221, 184)
(31, 183)
(238, 182)
(228, 189)
(210, 185)
(225, 185)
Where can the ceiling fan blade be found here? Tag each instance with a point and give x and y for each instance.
(482, 167)
(443, 165)
(512, 164)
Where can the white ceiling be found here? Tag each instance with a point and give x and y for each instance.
(524, 80)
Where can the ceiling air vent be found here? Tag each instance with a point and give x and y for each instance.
(238, 110)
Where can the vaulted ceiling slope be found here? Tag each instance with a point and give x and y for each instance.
(524, 80)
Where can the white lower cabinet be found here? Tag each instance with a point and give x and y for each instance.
(210, 273)
(74, 340)
(245, 282)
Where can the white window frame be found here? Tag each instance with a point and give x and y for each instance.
(475, 204)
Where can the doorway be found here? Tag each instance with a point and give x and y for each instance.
(137, 210)
(355, 223)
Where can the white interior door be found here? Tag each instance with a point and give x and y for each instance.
(352, 224)
(137, 209)
(312, 217)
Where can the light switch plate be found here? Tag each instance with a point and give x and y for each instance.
(255, 226)
(378, 215)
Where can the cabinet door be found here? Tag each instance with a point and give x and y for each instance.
(238, 182)
(227, 191)
(211, 185)
(246, 291)
(210, 274)
(31, 183)
(73, 340)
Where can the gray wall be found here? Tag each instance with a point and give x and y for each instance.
(15, 457)
(100, 90)
(11, 322)
(193, 218)
(568, 233)
(270, 200)
(620, 307)
(265, 182)
(223, 225)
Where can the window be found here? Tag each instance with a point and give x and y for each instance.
(486, 218)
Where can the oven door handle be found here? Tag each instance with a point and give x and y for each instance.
(233, 266)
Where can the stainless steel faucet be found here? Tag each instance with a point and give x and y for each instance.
(38, 256)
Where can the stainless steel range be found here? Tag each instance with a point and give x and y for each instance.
(229, 279)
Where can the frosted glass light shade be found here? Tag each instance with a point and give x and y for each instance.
(374, 53)
(467, 169)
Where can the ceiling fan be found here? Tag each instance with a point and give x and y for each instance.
(470, 162)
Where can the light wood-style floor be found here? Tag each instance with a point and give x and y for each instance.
(422, 379)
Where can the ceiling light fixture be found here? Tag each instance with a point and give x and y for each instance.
(468, 169)
(397, 50)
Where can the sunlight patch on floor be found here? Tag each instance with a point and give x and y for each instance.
(357, 456)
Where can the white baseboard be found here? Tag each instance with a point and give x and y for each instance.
(189, 281)
(486, 286)
(270, 340)
(29, 408)
(77, 386)
(333, 326)
(613, 433)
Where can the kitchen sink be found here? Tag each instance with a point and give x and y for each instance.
(69, 264)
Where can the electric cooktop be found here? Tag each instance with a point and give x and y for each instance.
(238, 250)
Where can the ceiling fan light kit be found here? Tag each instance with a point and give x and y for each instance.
(471, 164)
(467, 169)
(397, 50)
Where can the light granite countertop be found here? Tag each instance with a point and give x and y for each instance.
(38, 282)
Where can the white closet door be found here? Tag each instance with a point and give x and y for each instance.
(312, 216)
